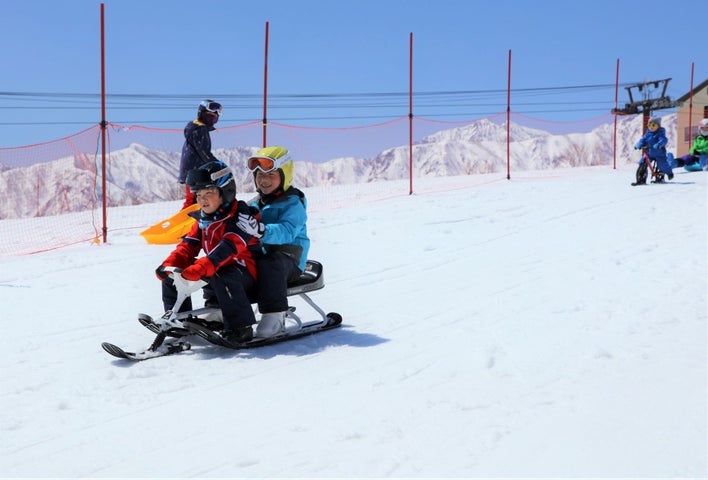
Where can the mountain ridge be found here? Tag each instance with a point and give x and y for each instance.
(138, 174)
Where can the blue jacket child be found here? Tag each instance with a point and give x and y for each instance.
(282, 230)
(654, 140)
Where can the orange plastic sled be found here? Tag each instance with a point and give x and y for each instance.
(171, 230)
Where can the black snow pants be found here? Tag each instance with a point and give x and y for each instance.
(233, 288)
(275, 270)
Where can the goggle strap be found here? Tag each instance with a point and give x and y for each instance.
(217, 175)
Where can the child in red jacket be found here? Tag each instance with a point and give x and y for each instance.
(228, 266)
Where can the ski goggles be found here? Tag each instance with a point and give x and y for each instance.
(213, 107)
(264, 164)
(653, 125)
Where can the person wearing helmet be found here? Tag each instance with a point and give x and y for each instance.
(282, 230)
(700, 144)
(654, 140)
(228, 265)
(196, 150)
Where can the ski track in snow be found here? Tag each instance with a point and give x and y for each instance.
(532, 327)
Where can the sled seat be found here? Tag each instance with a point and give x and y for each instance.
(309, 280)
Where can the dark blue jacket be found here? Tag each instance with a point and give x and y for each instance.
(196, 150)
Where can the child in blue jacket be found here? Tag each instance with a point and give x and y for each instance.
(654, 140)
(282, 230)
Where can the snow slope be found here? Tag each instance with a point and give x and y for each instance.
(552, 325)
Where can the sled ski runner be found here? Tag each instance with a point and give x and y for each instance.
(207, 322)
(213, 337)
(167, 348)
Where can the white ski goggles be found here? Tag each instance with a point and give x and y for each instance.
(213, 107)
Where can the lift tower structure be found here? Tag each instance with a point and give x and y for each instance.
(649, 102)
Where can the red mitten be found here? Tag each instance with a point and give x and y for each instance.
(201, 268)
(177, 258)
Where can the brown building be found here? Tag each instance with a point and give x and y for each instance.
(684, 135)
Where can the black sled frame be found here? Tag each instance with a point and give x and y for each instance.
(204, 321)
(312, 279)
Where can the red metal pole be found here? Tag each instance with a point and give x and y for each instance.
(690, 110)
(508, 120)
(104, 196)
(265, 88)
(410, 116)
(614, 147)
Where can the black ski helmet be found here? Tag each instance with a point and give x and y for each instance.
(209, 112)
(213, 174)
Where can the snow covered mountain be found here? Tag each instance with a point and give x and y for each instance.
(138, 174)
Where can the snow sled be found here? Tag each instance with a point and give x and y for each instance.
(690, 163)
(171, 230)
(694, 167)
(700, 165)
(206, 322)
(310, 280)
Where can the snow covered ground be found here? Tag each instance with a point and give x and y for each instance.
(553, 325)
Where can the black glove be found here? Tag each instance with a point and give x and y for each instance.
(162, 273)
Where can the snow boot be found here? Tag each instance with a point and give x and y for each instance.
(239, 335)
(271, 324)
(211, 324)
(211, 302)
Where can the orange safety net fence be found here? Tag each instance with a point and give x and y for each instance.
(62, 179)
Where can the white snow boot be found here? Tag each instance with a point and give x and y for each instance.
(271, 324)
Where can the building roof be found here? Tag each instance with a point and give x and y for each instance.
(695, 90)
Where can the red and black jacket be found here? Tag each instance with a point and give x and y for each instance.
(220, 238)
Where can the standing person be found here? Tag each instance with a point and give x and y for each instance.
(654, 140)
(282, 230)
(228, 266)
(196, 150)
(700, 144)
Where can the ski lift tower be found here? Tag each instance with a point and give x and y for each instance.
(648, 102)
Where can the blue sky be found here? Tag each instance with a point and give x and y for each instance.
(165, 55)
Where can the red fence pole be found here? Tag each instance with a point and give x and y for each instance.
(508, 120)
(614, 137)
(265, 88)
(104, 196)
(410, 116)
(690, 111)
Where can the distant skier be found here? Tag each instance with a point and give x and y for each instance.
(700, 144)
(196, 150)
(654, 140)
